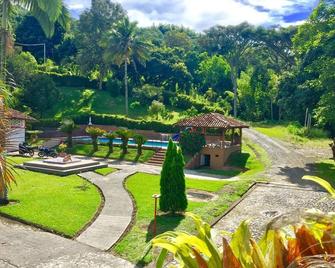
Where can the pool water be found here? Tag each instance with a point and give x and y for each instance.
(149, 143)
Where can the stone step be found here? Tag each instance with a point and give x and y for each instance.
(66, 172)
(64, 166)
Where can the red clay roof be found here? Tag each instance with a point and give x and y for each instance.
(14, 114)
(212, 120)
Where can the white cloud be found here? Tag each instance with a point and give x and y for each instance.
(202, 14)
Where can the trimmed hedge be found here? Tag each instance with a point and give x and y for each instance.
(114, 120)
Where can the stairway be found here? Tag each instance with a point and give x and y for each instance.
(158, 158)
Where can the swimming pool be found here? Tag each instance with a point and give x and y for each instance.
(149, 143)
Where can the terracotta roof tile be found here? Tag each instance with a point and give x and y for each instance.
(212, 120)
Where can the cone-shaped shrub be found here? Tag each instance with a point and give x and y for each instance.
(172, 184)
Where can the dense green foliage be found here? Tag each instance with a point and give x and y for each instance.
(173, 196)
(191, 142)
(253, 72)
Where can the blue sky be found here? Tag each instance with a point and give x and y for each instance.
(202, 14)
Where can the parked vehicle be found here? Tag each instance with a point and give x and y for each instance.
(25, 149)
(47, 152)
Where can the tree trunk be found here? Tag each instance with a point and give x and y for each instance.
(233, 77)
(126, 84)
(100, 81)
(3, 48)
(271, 110)
(95, 144)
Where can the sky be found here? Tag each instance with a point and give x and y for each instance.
(202, 14)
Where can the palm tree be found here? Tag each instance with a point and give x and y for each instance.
(110, 136)
(139, 140)
(68, 126)
(125, 135)
(95, 133)
(45, 11)
(124, 46)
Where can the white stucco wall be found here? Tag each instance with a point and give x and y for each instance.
(14, 138)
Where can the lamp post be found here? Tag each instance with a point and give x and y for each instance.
(155, 197)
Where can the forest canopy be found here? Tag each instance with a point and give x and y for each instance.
(255, 73)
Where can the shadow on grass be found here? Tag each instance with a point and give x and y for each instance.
(238, 160)
(109, 153)
(166, 222)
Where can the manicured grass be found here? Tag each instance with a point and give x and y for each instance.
(280, 131)
(86, 149)
(105, 171)
(251, 161)
(143, 186)
(63, 204)
(326, 170)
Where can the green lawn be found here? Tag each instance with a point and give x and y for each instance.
(63, 204)
(86, 149)
(251, 161)
(281, 131)
(143, 186)
(105, 171)
(326, 170)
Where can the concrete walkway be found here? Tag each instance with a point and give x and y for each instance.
(25, 246)
(116, 214)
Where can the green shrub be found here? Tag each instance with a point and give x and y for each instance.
(148, 93)
(135, 105)
(296, 129)
(191, 142)
(172, 182)
(156, 108)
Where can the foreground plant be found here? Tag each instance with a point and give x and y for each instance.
(289, 241)
(110, 136)
(6, 171)
(296, 239)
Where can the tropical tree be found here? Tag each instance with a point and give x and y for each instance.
(139, 140)
(231, 42)
(172, 182)
(125, 135)
(110, 136)
(46, 12)
(93, 24)
(68, 126)
(95, 133)
(124, 46)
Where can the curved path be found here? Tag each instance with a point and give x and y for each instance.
(116, 214)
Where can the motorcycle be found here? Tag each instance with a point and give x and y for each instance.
(24, 149)
(47, 152)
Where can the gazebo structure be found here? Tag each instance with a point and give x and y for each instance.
(223, 136)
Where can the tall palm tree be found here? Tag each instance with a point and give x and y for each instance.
(47, 12)
(124, 46)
